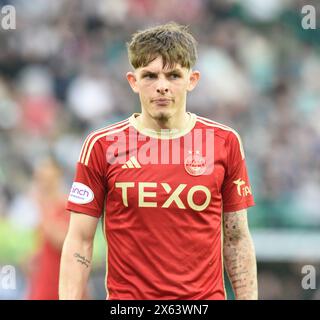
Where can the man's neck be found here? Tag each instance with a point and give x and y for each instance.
(178, 122)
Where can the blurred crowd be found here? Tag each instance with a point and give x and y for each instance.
(62, 75)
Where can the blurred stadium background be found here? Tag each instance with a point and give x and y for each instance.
(62, 74)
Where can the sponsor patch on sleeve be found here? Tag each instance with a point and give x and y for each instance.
(80, 193)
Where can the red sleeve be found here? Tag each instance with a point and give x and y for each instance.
(88, 190)
(236, 189)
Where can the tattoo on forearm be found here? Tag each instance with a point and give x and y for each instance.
(239, 256)
(81, 259)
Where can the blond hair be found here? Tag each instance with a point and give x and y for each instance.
(171, 41)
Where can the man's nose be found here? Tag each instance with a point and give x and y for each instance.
(162, 90)
(162, 86)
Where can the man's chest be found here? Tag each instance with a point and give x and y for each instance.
(190, 184)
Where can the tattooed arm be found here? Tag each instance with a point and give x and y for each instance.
(76, 257)
(239, 255)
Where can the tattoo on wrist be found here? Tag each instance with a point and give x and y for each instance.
(81, 259)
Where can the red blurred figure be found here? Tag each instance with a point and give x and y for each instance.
(53, 224)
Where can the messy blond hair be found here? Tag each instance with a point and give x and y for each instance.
(171, 41)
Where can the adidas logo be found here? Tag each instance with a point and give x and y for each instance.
(131, 163)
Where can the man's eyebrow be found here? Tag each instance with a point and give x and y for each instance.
(174, 71)
(144, 72)
(148, 72)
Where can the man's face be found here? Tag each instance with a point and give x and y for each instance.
(162, 91)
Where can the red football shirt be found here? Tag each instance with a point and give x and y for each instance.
(161, 197)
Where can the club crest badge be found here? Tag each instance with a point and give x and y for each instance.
(195, 164)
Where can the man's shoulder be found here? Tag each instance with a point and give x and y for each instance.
(109, 129)
(220, 129)
(230, 136)
(97, 140)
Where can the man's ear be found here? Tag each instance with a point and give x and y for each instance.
(193, 80)
(131, 77)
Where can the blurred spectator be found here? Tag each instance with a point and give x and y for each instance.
(49, 200)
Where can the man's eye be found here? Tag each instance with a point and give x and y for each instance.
(149, 76)
(174, 76)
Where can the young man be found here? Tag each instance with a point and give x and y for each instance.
(168, 184)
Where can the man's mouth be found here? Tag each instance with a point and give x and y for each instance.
(161, 101)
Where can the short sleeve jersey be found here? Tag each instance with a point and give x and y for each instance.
(162, 197)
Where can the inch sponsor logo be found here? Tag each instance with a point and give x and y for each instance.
(80, 193)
